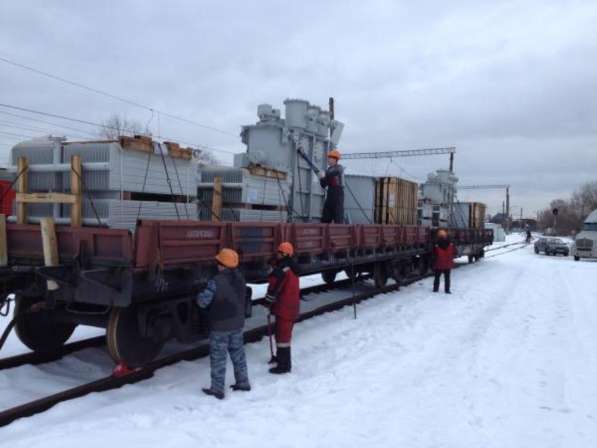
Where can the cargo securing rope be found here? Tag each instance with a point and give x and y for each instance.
(159, 145)
(144, 184)
(291, 211)
(300, 192)
(186, 209)
(88, 195)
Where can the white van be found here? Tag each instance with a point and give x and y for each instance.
(585, 244)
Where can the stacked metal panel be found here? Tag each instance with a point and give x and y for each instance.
(245, 196)
(112, 176)
(240, 186)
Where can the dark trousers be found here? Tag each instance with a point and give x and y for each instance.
(333, 207)
(438, 274)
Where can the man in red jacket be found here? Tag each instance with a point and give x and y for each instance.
(443, 254)
(283, 294)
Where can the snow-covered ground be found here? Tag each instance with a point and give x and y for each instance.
(507, 360)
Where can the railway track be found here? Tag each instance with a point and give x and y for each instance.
(114, 382)
(36, 358)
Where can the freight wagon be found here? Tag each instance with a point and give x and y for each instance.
(140, 287)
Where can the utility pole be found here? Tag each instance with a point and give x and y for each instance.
(507, 208)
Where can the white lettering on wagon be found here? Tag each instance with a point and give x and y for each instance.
(200, 234)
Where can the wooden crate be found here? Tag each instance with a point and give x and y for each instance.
(395, 201)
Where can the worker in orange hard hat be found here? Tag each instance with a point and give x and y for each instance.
(443, 260)
(283, 297)
(224, 298)
(333, 181)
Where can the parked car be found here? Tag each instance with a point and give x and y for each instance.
(552, 246)
(585, 245)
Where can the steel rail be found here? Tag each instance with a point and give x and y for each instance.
(114, 382)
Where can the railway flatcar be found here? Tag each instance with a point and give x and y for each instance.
(141, 286)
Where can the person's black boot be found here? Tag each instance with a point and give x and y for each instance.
(213, 393)
(283, 361)
(241, 387)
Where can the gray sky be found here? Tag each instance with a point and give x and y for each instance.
(513, 85)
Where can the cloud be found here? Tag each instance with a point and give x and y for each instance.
(511, 84)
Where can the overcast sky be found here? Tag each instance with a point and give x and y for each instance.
(513, 85)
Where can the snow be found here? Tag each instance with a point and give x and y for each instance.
(507, 360)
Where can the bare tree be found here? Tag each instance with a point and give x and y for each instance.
(116, 126)
(205, 157)
(571, 212)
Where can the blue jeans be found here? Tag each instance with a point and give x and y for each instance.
(220, 343)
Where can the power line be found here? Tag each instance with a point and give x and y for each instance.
(114, 97)
(24, 128)
(16, 135)
(104, 126)
(38, 120)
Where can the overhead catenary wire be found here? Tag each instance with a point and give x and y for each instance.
(101, 125)
(39, 120)
(114, 97)
(24, 128)
(12, 134)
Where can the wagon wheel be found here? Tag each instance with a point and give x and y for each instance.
(39, 330)
(125, 342)
(380, 276)
(329, 276)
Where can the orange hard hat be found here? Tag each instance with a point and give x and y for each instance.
(227, 258)
(286, 248)
(334, 154)
(441, 233)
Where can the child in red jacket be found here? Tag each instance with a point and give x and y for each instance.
(283, 294)
(443, 254)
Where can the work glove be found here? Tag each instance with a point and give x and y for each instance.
(321, 174)
(270, 299)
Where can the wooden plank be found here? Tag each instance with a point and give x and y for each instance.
(385, 200)
(44, 198)
(22, 188)
(216, 200)
(393, 201)
(50, 246)
(136, 143)
(376, 205)
(258, 170)
(3, 245)
(176, 152)
(76, 173)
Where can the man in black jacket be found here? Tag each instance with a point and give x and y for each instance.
(224, 299)
(333, 180)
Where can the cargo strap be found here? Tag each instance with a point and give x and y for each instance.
(158, 148)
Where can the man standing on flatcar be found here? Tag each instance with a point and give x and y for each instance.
(224, 298)
(443, 253)
(333, 180)
(283, 296)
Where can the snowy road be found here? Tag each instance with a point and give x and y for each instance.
(508, 360)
